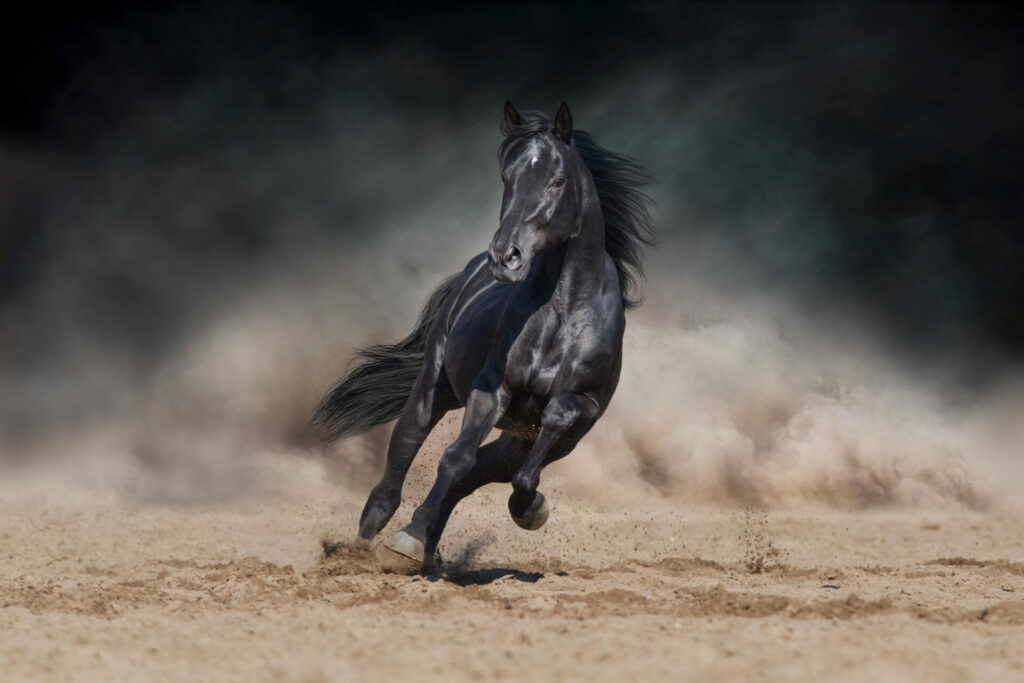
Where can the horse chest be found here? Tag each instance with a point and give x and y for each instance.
(551, 356)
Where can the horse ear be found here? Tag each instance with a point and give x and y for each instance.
(512, 118)
(563, 123)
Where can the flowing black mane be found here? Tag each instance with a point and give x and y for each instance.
(628, 225)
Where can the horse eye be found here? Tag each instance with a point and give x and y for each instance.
(558, 182)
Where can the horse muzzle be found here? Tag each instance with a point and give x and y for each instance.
(510, 267)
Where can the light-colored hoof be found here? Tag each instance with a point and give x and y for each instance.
(535, 516)
(400, 554)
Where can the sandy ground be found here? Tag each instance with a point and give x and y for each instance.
(95, 588)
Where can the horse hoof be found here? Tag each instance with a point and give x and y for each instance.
(535, 516)
(401, 554)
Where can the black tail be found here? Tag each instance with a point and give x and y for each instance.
(375, 390)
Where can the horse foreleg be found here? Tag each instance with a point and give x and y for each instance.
(430, 399)
(495, 462)
(565, 419)
(483, 410)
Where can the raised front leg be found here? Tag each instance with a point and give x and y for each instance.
(565, 420)
(483, 410)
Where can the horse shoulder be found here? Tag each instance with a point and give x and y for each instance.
(473, 277)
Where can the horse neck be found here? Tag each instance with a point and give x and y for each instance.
(580, 259)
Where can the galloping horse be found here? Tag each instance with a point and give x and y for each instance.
(528, 337)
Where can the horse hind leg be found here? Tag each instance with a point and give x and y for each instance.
(430, 399)
(483, 409)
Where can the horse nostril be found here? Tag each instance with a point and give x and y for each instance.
(513, 258)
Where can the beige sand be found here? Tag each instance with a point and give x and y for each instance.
(97, 589)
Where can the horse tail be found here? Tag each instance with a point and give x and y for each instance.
(375, 390)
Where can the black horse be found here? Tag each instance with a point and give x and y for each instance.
(528, 337)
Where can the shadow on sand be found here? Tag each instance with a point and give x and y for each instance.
(482, 577)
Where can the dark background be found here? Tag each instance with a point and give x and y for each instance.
(861, 161)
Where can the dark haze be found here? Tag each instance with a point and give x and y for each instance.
(182, 184)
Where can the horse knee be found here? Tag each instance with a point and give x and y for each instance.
(561, 413)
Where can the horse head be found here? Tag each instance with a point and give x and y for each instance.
(540, 207)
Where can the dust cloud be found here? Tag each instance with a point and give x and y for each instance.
(754, 411)
(720, 402)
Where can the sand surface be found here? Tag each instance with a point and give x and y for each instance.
(99, 588)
